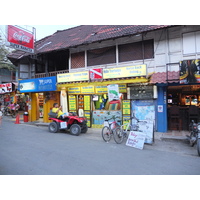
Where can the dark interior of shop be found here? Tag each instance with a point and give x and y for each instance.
(183, 106)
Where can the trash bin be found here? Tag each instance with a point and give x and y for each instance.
(25, 116)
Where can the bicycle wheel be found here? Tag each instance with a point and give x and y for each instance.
(118, 135)
(106, 133)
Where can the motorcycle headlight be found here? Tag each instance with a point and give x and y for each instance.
(198, 127)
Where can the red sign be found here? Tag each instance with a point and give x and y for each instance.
(96, 73)
(6, 87)
(20, 39)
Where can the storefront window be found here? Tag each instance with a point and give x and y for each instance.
(101, 102)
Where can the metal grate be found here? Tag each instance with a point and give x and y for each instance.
(78, 60)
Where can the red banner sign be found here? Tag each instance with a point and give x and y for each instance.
(6, 87)
(20, 39)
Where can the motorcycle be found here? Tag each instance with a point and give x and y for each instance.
(7, 111)
(194, 137)
(73, 123)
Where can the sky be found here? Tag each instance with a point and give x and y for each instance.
(41, 30)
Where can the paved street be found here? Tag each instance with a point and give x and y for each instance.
(32, 150)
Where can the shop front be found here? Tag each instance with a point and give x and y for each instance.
(183, 99)
(91, 97)
(41, 94)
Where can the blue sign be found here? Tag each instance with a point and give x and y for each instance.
(38, 84)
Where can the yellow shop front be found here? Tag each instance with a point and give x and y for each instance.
(89, 97)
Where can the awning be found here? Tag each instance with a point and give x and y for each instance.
(165, 77)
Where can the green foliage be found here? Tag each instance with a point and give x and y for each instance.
(4, 62)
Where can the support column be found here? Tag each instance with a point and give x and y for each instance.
(162, 109)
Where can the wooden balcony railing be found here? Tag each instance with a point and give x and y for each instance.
(43, 75)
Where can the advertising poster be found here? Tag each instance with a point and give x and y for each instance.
(189, 71)
(20, 39)
(144, 111)
(113, 92)
(6, 87)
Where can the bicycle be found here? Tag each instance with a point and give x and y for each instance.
(109, 127)
(121, 133)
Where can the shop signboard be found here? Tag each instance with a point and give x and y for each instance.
(129, 71)
(126, 107)
(74, 90)
(141, 92)
(38, 84)
(86, 102)
(189, 71)
(20, 39)
(87, 89)
(72, 102)
(71, 77)
(102, 89)
(5, 88)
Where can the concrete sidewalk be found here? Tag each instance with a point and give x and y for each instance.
(170, 135)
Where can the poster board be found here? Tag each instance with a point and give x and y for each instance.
(144, 111)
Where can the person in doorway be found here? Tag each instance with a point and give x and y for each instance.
(58, 109)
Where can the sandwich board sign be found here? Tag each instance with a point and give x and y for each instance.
(136, 139)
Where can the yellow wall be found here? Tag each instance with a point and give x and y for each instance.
(33, 113)
(48, 105)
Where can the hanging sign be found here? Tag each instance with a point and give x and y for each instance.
(113, 92)
(20, 39)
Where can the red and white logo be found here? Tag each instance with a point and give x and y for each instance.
(96, 73)
(20, 39)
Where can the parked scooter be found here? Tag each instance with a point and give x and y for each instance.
(194, 137)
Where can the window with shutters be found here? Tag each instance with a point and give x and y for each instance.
(101, 56)
(136, 51)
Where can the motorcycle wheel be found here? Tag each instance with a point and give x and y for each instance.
(53, 127)
(198, 146)
(75, 129)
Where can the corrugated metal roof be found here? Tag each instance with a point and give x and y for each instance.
(86, 34)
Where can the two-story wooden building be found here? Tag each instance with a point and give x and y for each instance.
(150, 64)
